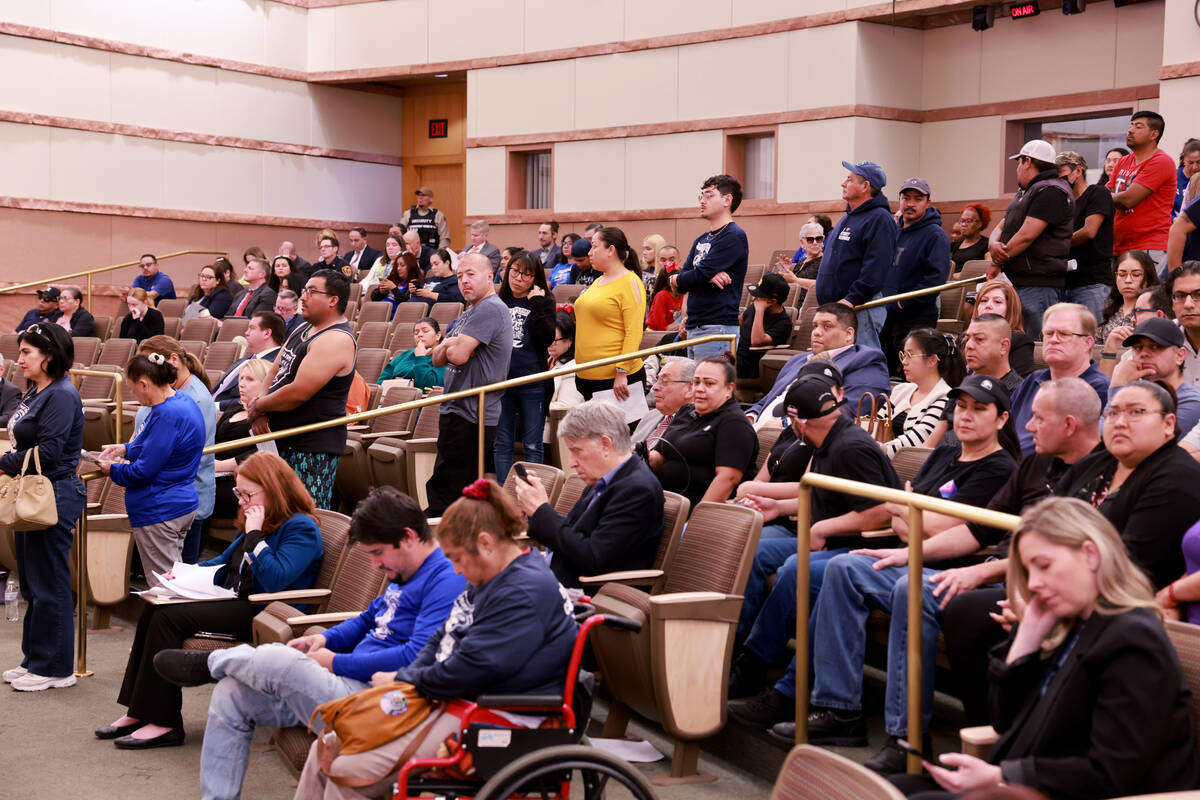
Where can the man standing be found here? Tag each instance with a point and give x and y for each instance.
(361, 256)
(298, 263)
(1158, 355)
(475, 352)
(548, 250)
(1033, 240)
(309, 383)
(672, 391)
(46, 310)
(860, 249)
(328, 247)
(922, 261)
(480, 244)
(259, 296)
(715, 268)
(1090, 283)
(287, 303)
(427, 221)
(412, 243)
(1183, 286)
(1143, 186)
(156, 283)
(264, 335)
(76, 319)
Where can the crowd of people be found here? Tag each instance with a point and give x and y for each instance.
(1071, 398)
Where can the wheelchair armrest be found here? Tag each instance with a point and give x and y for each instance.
(321, 619)
(293, 594)
(519, 700)
(629, 577)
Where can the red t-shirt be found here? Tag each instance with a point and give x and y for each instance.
(1145, 226)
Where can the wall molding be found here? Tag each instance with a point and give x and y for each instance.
(1188, 69)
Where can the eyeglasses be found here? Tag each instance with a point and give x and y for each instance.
(244, 497)
(308, 290)
(560, 339)
(1180, 297)
(1125, 273)
(204, 277)
(814, 239)
(1131, 414)
(905, 356)
(1137, 310)
(514, 272)
(1062, 335)
(669, 380)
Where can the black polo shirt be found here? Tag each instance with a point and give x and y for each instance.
(849, 452)
(788, 458)
(694, 445)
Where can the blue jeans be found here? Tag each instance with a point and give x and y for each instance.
(775, 544)
(712, 348)
(1034, 302)
(853, 587)
(528, 402)
(272, 685)
(870, 323)
(1093, 297)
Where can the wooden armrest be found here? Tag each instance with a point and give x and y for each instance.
(293, 594)
(629, 577)
(320, 619)
(92, 507)
(422, 445)
(358, 427)
(709, 606)
(979, 736)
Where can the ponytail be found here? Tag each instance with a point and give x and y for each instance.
(615, 238)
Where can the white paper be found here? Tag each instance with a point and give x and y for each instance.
(268, 447)
(634, 406)
(634, 751)
(189, 581)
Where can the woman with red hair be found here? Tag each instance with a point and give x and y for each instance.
(973, 246)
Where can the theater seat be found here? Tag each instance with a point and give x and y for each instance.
(407, 464)
(813, 773)
(353, 480)
(552, 479)
(675, 514)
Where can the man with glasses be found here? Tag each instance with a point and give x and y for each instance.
(672, 391)
(1032, 243)
(156, 284)
(1183, 287)
(1068, 332)
(1158, 355)
(328, 248)
(1090, 283)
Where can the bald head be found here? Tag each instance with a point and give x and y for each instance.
(287, 249)
(412, 241)
(1074, 397)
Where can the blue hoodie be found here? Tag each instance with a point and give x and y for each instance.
(857, 254)
(922, 260)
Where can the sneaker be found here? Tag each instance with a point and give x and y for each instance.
(828, 726)
(891, 759)
(30, 682)
(748, 675)
(11, 675)
(184, 667)
(764, 709)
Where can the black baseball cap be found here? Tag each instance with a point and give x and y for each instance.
(50, 294)
(823, 368)
(984, 389)
(1157, 329)
(809, 397)
(770, 285)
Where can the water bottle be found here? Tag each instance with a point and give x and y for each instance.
(11, 590)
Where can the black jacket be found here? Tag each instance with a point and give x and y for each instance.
(1115, 719)
(83, 323)
(619, 531)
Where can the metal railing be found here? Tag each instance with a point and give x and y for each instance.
(895, 298)
(917, 503)
(118, 391)
(88, 273)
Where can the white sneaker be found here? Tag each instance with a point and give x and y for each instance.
(11, 675)
(30, 682)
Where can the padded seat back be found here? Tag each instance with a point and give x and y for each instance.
(908, 460)
(814, 773)
(551, 477)
(445, 313)
(86, 348)
(203, 329)
(1186, 639)
(572, 489)
(171, 308)
(220, 356)
(717, 552)
(232, 327)
(116, 351)
(371, 361)
(373, 334)
(374, 311)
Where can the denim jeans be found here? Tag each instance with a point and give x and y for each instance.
(1034, 302)
(775, 544)
(1092, 297)
(712, 348)
(272, 685)
(776, 621)
(529, 403)
(870, 325)
(852, 588)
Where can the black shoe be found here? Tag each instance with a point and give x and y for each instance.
(784, 732)
(764, 709)
(117, 731)
(184, 667)
(891, 759)
(748, 675)
(837, 728)
(172, 738)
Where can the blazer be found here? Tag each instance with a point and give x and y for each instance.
(83, 323)
(1115, 718)
(369, 255)
(490, 250)
(619, 531)
(10, 398)
(225, 392)
(864, 369)
(261, 299)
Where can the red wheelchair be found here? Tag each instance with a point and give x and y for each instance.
(516, 762)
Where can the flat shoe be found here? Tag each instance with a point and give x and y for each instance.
(117, 731)
(172, 738)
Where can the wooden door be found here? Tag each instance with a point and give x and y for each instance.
(449, 196)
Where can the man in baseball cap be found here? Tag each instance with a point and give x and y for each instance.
(46, 311)
(1158, 354)
(765, 323)
(429, 223)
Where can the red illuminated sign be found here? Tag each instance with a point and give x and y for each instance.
(1022, 10)
(438, 128)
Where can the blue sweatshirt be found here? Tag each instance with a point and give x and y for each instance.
(858, 252)
(727, 251)
(52, 421)
(922, 260)
(398, 623)
(206, 475)
(290, 559)
(164, 457)
(512, 635)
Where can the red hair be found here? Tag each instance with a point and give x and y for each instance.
(985, 214)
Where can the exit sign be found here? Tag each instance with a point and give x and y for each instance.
(1022, 10)
(438, 128)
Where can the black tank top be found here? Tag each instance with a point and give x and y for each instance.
(328, 402)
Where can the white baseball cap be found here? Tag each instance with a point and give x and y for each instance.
(1037, 149)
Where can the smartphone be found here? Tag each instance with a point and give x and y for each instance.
(519, 468)
(908, 748)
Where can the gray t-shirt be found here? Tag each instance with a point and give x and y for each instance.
(490, 322)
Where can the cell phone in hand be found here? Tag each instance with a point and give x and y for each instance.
(519, 468)
(907, 747)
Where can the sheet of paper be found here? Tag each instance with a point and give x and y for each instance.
(268, 447)
(191, 582)
(634, 751)
(634, 406)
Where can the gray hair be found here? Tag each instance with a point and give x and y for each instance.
(593, 419)
(1074, 396)
(287, 294)
(687, 367)
(481, 226)
(808, 225)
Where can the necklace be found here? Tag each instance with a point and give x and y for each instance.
(708, 237)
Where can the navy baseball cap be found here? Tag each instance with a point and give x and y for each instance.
(873, 173)
(581, 248)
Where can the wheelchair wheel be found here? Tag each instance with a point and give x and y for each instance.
(599, 774)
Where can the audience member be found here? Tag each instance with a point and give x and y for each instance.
(973, 245)
(561, 392)
(143, 320)
(475, 352)
(233, 424)
(254, 251)
(361, 256)
(857, 260)
(10, 395)
(416, 363)
(610, 317)
(560, 272)
(548, 249)
(1189, 166)
(1032, 242)
(1158, 356)
(211, 296)
(265, 334)
(479, 244)
(507, 254)
(1134, 274)
(402, 279)
(1183, 243)
(46, 311)
(75, 319)
(765, 323)
(282, 686)
(259, 295)
(327, 246)
(985, 347)
(287, 307)
(1110, 164)
(298, 263)
(932, 366)
(412, 243)
(1000, 298)
(1183, 287)
(1143, 186)
(157, 284)
(309, 383)
(582, 273)
(440, 285)
(666, 304)
(617, 521)
(715, 268)
(651, 245)
(1068, 333)
(709, 446)
(922, 262)
(428, 222)
(284, 276)
(807, 262)
(672, 391)
(514, 607)
(277, 548)
(1091, 243)
(525, 292)
(228, 278)
(49, 417)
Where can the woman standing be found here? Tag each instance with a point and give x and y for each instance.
(561, 391)
(158, 467)
(284, 276)
(143, 320)
(234, 424)
(1000, 298)
(50, 418)
(610, 316)
(525, 292)
(279, 548)
(975, 217)
(416, 364)
(932, 367)
(1135, 273)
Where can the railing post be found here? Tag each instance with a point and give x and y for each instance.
(916, 596)
(89, 285)
(119, 395)
(81, 593)
(481, 412)
(803, 539)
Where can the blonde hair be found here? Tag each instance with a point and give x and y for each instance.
(658, 243)
(257, 368)
(1087, 320)
(1121, 586)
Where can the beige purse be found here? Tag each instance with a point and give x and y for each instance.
(27, 500)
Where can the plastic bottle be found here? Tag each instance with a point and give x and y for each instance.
(11, 591)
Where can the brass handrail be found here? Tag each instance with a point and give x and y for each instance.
(895, 298)
(88, 273)
(916, 504)
(118, 391)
